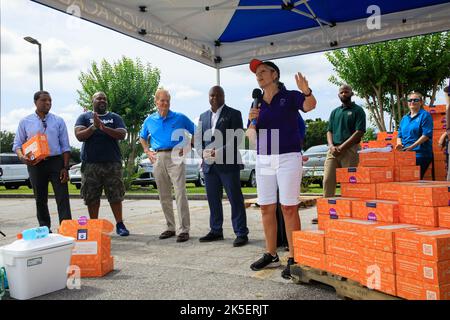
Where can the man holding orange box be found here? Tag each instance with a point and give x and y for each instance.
(55, 167)
(346, 127)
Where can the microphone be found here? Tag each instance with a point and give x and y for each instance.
(256, 95)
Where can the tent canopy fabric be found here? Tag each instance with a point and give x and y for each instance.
(224, 33)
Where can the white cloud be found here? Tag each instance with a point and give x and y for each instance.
(180, 91)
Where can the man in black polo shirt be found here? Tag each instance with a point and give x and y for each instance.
(346, 127)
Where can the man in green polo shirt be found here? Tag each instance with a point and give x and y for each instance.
(346, 127)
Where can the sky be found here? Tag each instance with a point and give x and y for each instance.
(69, 48)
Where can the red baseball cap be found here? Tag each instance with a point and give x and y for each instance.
(255, 63)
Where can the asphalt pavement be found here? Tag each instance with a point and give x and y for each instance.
(147, 268)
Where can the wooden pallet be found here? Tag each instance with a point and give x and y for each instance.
(305, 201)
(345, 288)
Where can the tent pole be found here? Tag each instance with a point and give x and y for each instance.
(218, 76)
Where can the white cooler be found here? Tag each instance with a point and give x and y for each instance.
(37, 267)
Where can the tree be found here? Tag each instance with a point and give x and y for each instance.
(130, 88)
(75, 155)
(316, 132)
(369, 135)
(6, 141)
(384, 73)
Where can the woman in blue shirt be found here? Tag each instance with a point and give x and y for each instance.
(416, 132)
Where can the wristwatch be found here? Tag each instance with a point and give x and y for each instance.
(309, 94)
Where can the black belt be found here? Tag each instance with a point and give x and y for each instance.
(162, 150)
(53, 157)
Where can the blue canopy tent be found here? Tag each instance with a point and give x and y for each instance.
(222, 33)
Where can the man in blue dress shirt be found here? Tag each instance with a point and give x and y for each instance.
(55, 167)
(167, 133)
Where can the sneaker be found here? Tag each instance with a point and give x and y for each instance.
(286, 273)
(121, 230)
(267, 261)
(211, 237)
(240, 241)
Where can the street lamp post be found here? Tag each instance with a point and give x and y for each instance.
(34, 41)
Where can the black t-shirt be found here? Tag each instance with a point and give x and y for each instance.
(100, 147)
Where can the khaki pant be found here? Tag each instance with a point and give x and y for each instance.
(168, 174)
(348, 158)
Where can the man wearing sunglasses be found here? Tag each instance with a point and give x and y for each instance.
(53, 169)
(415, 132)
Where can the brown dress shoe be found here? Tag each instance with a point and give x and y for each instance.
(182, 237)
(167, 234)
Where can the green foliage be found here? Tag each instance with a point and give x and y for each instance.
(316, 132)
(75, 155)
(384, 73)
(6, 141)
(369, 135)
(130, 88)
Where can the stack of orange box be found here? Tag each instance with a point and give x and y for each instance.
(422, 262)
(439, 127)
(333, 208)
(360, 182)
(376, 210)
(309, 248)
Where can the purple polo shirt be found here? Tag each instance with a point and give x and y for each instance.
(281, 116)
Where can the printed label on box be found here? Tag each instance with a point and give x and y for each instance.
(85, 248)
(82, 234)
(31, 148)
(431, 295)
(428, 273)
(427, 249)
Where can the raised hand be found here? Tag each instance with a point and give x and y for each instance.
(302, 83)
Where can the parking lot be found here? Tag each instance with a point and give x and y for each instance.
(148, 268)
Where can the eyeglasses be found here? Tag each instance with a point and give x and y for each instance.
(44, 123)
(414, 100)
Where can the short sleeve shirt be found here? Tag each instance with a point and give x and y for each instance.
(345, 120)
(100, 147)
(412, 128)
(277, 127)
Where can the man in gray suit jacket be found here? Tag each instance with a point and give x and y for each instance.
(220, 132)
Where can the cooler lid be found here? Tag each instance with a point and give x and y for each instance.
(20, 248)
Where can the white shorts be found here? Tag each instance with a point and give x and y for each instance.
(279, 170)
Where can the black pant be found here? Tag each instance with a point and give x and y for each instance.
(40, 175)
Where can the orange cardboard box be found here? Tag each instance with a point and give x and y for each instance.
(380, 281)
(424, 195)
(375, 210)
(344, 267)
(436, 135)
(440, 168)
(321, 218)
(310, 258)
(343, 249)
(413, 289)
(388, 191)
(37, 147)
(427, 271)
(381, 237)
(387, 136)
(349, 230)
(422, 216)
(92, 251)
(406, 173)
(433, 245)
(444, 217)
(340, 207)
(439, 122)
(377, 144)
(311, 240)
(387, 159)
(439, 108)
(364, 175)
(359, 190)
(439, 155)
(370, 258)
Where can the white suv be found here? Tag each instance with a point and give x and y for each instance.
(13, 173)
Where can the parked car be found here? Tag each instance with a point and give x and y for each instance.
(193, 170)
(13, 173)
(313, 167)
(75, 175)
